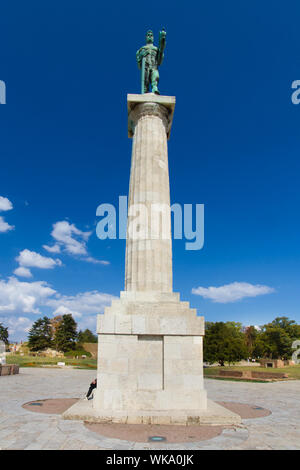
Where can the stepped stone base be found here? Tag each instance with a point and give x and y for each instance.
(150, 313)
(214, 414)
(149, 357)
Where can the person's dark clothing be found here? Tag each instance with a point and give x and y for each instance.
(92, 386)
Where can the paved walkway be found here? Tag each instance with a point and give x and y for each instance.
(22, 429)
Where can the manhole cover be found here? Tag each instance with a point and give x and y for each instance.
(157, 439)
(35, 404)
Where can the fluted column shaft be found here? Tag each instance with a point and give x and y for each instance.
(149, 244)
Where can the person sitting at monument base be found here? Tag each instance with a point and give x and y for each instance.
(93, 385)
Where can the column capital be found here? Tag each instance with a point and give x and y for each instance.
(150, 104)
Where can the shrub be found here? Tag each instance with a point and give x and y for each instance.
(77, 352)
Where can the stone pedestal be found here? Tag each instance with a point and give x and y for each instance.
(150, 356)
(150, 363)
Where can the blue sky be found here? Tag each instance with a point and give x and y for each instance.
(68, 67)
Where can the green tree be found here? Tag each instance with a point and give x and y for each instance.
(66, 334)
(4, 334)
(224, 343)
(258, 347)
(277, 337)
(251, 335)
(276, 343)
(237, 326)
(40, 335)
(289, 326)
(87, 336)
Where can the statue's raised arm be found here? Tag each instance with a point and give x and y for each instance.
(148, 58)
(161, 47)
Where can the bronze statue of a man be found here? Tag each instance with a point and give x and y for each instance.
(149, 57)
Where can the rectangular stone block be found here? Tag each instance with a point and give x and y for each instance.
(106, 323)
(173, 382)
(118, 365)
(172, 350)
(139, 325)
(170, 324)
(150, 381)
(123, 324)
(193, 382)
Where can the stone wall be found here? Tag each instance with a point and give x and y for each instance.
(251, 374)
(9, 369)
(92, 348)
(276, 363)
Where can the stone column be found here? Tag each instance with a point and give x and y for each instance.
(149, 245)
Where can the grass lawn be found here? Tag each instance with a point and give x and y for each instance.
(292, 371)
(89, 363)
(35, 361)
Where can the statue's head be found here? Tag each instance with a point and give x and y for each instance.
(149, 37)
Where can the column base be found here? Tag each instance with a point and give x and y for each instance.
(150, 313)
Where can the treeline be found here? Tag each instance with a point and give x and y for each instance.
(227, 342)
(4, 334)
(59, 333)
(230, 342)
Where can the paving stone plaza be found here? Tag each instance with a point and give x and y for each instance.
(23, 429)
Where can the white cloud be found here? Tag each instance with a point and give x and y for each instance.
(88, 321)
(23, 297)
(52, 249)
(62, 310)
(32, 259)
(23, 272)
(90, 259)
(65, 235)
(83, 306)
(232, 292)
(28, 297)
(73, 241)
(5, 204)
(18, 327)
(37, 298)
(4, 226)
(83, 303)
